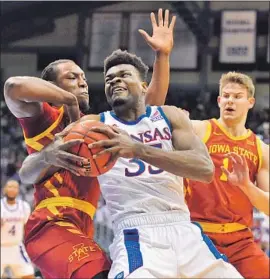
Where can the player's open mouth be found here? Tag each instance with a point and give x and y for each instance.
(229, 109)
(118, 89)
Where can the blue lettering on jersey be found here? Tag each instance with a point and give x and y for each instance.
(141, 166)
(150, 136)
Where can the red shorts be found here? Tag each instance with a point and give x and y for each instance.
(59, 251)
(243, 252)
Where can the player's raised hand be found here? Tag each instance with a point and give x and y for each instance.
(162, 36)
(120, 144)
(239, 176)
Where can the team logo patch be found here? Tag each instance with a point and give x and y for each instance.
(119, 275)
(249, 142)
(156, 117)
(80, 252)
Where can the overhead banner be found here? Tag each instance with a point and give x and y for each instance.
(238, 37)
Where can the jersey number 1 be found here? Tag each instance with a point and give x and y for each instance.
(223, 176)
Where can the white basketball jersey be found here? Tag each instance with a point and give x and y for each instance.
(133, 186)
(13, 218)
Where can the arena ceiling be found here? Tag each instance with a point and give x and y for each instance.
(21, 20)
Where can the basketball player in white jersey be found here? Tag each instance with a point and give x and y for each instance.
(153, 234)
(14, 214)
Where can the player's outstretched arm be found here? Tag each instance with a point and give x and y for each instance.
(239, 176)
(55, 156)
(190, 158)
(161, 42)
(24, 96)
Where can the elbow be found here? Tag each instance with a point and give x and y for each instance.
(208, 170)
(24, 177)
(11, 84)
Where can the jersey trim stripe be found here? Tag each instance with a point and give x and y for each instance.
(102, 117)
(51, 188)
(230, 136)
(59, 178)
(80, 205)
(208, 132)
(132, 244)
(33, 142)
(165, 117)
(222, 228)
(147, 114)
(211, 245)
(23, 254)
(259, 149)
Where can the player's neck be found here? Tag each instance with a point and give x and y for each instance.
(131, 114)
(236, 129)
(10, 201)
(66, 117)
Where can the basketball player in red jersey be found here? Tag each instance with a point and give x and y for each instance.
(59, 233)
(224, 208)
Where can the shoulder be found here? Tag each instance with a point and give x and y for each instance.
(177, 117)
(45, 112)
(175, 114)
(171, 109)
(202, 128)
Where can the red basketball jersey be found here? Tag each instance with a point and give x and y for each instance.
(39, 131)
(219, 201)
(63, 198)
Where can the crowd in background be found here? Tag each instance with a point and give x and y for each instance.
(203, 106)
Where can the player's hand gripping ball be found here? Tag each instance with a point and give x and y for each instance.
(83, 131)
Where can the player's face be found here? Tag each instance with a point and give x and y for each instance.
(71, 78)
(234, 102)
(123, 86)
(11, 189)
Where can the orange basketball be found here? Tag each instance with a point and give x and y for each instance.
(83, 131)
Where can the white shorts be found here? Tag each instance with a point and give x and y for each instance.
(165, 246)
(16, 258)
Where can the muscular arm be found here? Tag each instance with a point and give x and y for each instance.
(190, 158)
(158, 87)
(259, 194)
(37, 166)
(24, 96)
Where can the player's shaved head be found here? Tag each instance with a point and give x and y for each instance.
(50, 72)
